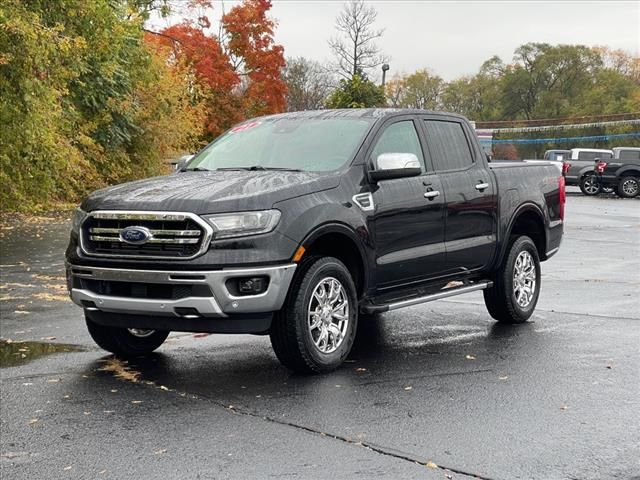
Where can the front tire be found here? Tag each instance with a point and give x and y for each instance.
(316, 328)
(628, 187)
(516, 285)
(125, 342)
(589, 185)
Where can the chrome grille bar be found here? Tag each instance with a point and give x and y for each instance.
(175, 233)
(175, 241)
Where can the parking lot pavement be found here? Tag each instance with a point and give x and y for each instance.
(434, 391)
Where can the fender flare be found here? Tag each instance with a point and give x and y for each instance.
(622, 171)
(525, 207)
(341, 228)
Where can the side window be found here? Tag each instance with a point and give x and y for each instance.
(630, 155)
(448, 145)
(400, 137)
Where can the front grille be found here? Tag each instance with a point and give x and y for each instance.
(152, 291)
(172, 235)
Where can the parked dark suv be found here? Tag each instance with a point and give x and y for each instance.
(294, 225)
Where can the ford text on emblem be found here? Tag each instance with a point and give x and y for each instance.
(135, 235)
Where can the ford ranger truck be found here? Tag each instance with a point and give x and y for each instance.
(300, 225)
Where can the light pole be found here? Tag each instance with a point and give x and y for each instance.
(385, 67)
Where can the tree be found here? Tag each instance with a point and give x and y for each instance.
(308, 84)
(545, 79)
(418, 90)
(357, 92)
(239, 69)
(83, 102)
(355, 47)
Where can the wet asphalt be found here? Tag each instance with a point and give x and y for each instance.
(437, 391)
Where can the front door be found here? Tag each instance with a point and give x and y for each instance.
(407, 226)
(471, 200)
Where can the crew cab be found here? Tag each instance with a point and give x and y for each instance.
(301, 225)
(622, 173)
(580, 168)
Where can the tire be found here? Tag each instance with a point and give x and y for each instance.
(589, 185)
(122, 342)
(299, 345)
(501, 300)
(629, 187)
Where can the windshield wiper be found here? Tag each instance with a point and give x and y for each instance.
(197, 169)
(260, 168)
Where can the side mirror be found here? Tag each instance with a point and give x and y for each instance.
(181, 163)
(395, 165)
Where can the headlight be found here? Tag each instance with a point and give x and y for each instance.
(78, 218)
(229, 225)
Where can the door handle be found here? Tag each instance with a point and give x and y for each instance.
(482, 186)
(431, 194)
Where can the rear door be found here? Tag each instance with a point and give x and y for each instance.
(407, 226)
(471, 195)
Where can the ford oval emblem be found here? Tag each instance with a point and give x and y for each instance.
(135, 235)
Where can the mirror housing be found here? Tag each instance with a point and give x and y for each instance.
(181, 162)
(395, 165)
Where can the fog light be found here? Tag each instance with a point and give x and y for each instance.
(252, 286)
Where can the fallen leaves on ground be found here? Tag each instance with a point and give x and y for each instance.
(120, 370)
(431, 464)
(160, 451)
(470, 357)
(408, 387)
(33, 420)
(48, 297)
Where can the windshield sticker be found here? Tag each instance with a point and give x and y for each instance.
(244, 127)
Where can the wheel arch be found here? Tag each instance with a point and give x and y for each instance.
(528, 220)
(340, 241)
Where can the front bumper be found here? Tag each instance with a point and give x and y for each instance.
(220, 304)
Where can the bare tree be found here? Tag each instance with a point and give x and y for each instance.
(355, 46)
(308, 84)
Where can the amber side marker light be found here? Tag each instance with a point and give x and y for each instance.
(299, 253)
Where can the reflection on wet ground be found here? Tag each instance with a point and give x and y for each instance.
(19, 353)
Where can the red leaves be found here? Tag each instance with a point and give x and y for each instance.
(239, 73)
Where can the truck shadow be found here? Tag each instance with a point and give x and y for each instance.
(387, 357)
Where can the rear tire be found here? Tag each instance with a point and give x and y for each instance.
(516, 285)
(316, 328)
(124, 342)
(589, 185)
(629, 187)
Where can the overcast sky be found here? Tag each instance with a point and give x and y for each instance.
(455, 38)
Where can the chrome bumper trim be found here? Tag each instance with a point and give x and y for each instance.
(220, 305)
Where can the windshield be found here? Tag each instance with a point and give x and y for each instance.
(318, 144)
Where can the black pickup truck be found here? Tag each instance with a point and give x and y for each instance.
(621, 173)
(300, 225)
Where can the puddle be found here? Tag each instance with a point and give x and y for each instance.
(18, 353)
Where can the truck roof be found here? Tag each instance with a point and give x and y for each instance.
(633, 149)
(597, 150)
(360, 113)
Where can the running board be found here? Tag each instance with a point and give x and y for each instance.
(449, 292)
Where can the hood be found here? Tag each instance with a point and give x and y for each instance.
(211, 192)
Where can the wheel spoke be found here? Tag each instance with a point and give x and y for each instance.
(328, 314)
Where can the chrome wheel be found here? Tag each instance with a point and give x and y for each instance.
(630, 187)
(328, 315)
(590, 185)
(524, 279)
(140, 333)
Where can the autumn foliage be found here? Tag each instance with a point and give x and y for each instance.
(238, 70)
